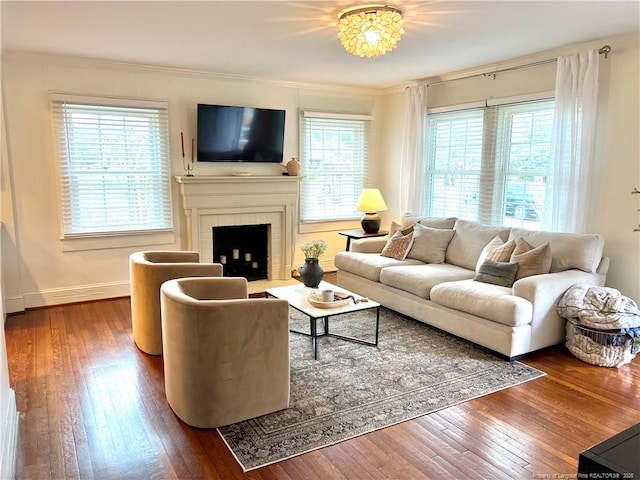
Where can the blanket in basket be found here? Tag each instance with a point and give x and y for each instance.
(603, 326)
(603, 308)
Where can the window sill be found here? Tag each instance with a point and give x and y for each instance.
(328, 226)
(117, 241)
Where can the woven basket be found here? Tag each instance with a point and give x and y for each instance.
(596, 347)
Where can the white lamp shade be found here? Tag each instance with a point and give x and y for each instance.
(371, 201)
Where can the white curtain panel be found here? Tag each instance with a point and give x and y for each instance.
(412, 157)
(569, 186)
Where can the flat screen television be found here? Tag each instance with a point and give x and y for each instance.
(240, 134)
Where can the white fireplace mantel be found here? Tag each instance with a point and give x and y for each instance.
(210, 201)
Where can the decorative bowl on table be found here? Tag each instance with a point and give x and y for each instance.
(315, 299)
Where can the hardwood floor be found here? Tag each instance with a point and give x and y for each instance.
(93, 407)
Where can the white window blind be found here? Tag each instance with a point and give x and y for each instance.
(523, 155)
(334, 153)
(454, 164)
(490, 164)
(113, 165)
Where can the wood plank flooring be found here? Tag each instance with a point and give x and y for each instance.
(93, 407)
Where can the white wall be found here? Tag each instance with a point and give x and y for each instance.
(613, 211)
(8, 411)
(38, 271)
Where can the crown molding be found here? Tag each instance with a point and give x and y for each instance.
(87, 62)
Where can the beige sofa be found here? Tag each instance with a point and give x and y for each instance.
(511, 320)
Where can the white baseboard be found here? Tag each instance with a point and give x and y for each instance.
(85, 293)
(59, 296)
(14, 304)
(9, 438)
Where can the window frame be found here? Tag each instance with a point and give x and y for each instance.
(492, 174)
(431, 159)
(361, 176)
(503, 170)
(130, 235)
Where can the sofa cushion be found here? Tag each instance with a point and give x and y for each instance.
(568, 250)
(367, 265)
(397, 227)
(419, 279)
(484, 300)
(532, 261)
(469, 240)
(429, 244)
(497, 251)
(445, 223)
(497, 273)
(398, 245)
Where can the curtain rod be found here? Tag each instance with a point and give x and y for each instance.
(605, 50)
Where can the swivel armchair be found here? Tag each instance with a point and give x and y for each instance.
(226, 356)
(147, 271)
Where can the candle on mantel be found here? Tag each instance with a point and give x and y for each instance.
(254, 265)
(223, 259)
(182, 143)
(236, 254)
(247, 257)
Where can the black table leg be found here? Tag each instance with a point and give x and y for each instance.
(314, 335)
(377, 323)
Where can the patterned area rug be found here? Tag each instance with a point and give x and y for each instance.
(354, 389)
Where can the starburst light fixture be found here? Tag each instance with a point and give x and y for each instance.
(370, 30)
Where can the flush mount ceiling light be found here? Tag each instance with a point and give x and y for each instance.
(370, 30)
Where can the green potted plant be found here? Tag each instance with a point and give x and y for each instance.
(311, 272)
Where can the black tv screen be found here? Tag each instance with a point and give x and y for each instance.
(240, 134)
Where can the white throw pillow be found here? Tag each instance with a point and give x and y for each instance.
(429, 244)
(496, 251)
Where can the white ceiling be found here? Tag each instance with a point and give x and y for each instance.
(296, 41)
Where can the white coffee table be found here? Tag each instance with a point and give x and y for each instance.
(297, 296)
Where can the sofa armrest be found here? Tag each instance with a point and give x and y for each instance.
(551, 286)
(544, 292)
(603, 268)
(369, 245)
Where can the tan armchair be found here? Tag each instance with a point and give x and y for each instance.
(147, 272)
(226, 356)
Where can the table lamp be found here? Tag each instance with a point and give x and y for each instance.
(371, 202)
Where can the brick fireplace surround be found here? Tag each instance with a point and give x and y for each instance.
(216, 201)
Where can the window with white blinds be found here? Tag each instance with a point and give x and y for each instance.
(523, 162)
(113, 165)
(490, 164)
(334, 152)
(454, 164)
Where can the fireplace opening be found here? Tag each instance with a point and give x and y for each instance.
(242, 250)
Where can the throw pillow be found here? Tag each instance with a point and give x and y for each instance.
(429, 244)
(496, 250)
(497, 273)
(397, 246)
(397, 227)
(532, 261)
